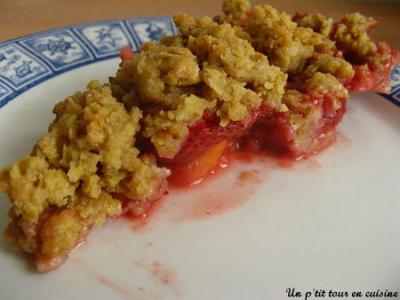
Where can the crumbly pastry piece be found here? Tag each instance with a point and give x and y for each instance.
(162, 73)
(226, 48)
(209, 69)
(351, 36)
(282, 40)
(234, 12)
(317, 22)
(280, 79)
(326, 64)
(373, 61)
(308, 125)
(315, 96)
(296, 48)
(289, 41)
(323, 59)
(168, 130)
(70, 181)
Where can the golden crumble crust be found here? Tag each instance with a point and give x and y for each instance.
(208, 67)
(351, 36)
(68, 182)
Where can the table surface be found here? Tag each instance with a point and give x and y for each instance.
(21, 17)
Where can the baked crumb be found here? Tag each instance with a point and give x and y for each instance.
(351, 36)
(249, 176)
(69, 181)
(209, 67)
(286, 44)
(317, 22)
(168, 129)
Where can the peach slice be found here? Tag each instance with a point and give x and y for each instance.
(194, 171)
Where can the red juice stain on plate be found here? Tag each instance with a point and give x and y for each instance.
(342, 139)
(286, 162)
(161, 274)
(164, 275)
(206, 197)
(218, 195)
(218, 202)
(124, 292)
(214, 196)
(311, 163)
(119, 289)
(139, 214)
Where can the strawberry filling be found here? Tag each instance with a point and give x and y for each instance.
(371, 77)
(207, 132)
(279, 135)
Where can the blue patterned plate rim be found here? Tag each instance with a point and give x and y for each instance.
(31, 59)
(150, 18)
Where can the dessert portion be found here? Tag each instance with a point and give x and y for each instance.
(314, 108)
(173, 110)
(372, 62)
(197, 90)
(71, 181)
(323, 59)
(206, 85)
(289, 41)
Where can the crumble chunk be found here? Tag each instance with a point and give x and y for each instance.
(328, 64)
(58, 234)
(372, 61)
(209, 68)
(351, 36)
(286, 44)
(168, 130)
(237, 100)
(314, 108)
(302, 113)
(317, 22)
(234, 12)
(160, 71)
(221, 47)
(34, 186)
(69, 181)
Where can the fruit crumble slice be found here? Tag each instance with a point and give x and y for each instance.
(198, 89)
(71, 181)
(323, 59)
(172, 110)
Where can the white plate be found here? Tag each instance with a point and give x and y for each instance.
(331, 222)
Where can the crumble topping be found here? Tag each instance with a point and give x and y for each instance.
(234, 11)
(75, 170)
(328, 64)
(317, 22)
(286, 44)
(168, 129)
(208, 67)
(351, 36)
